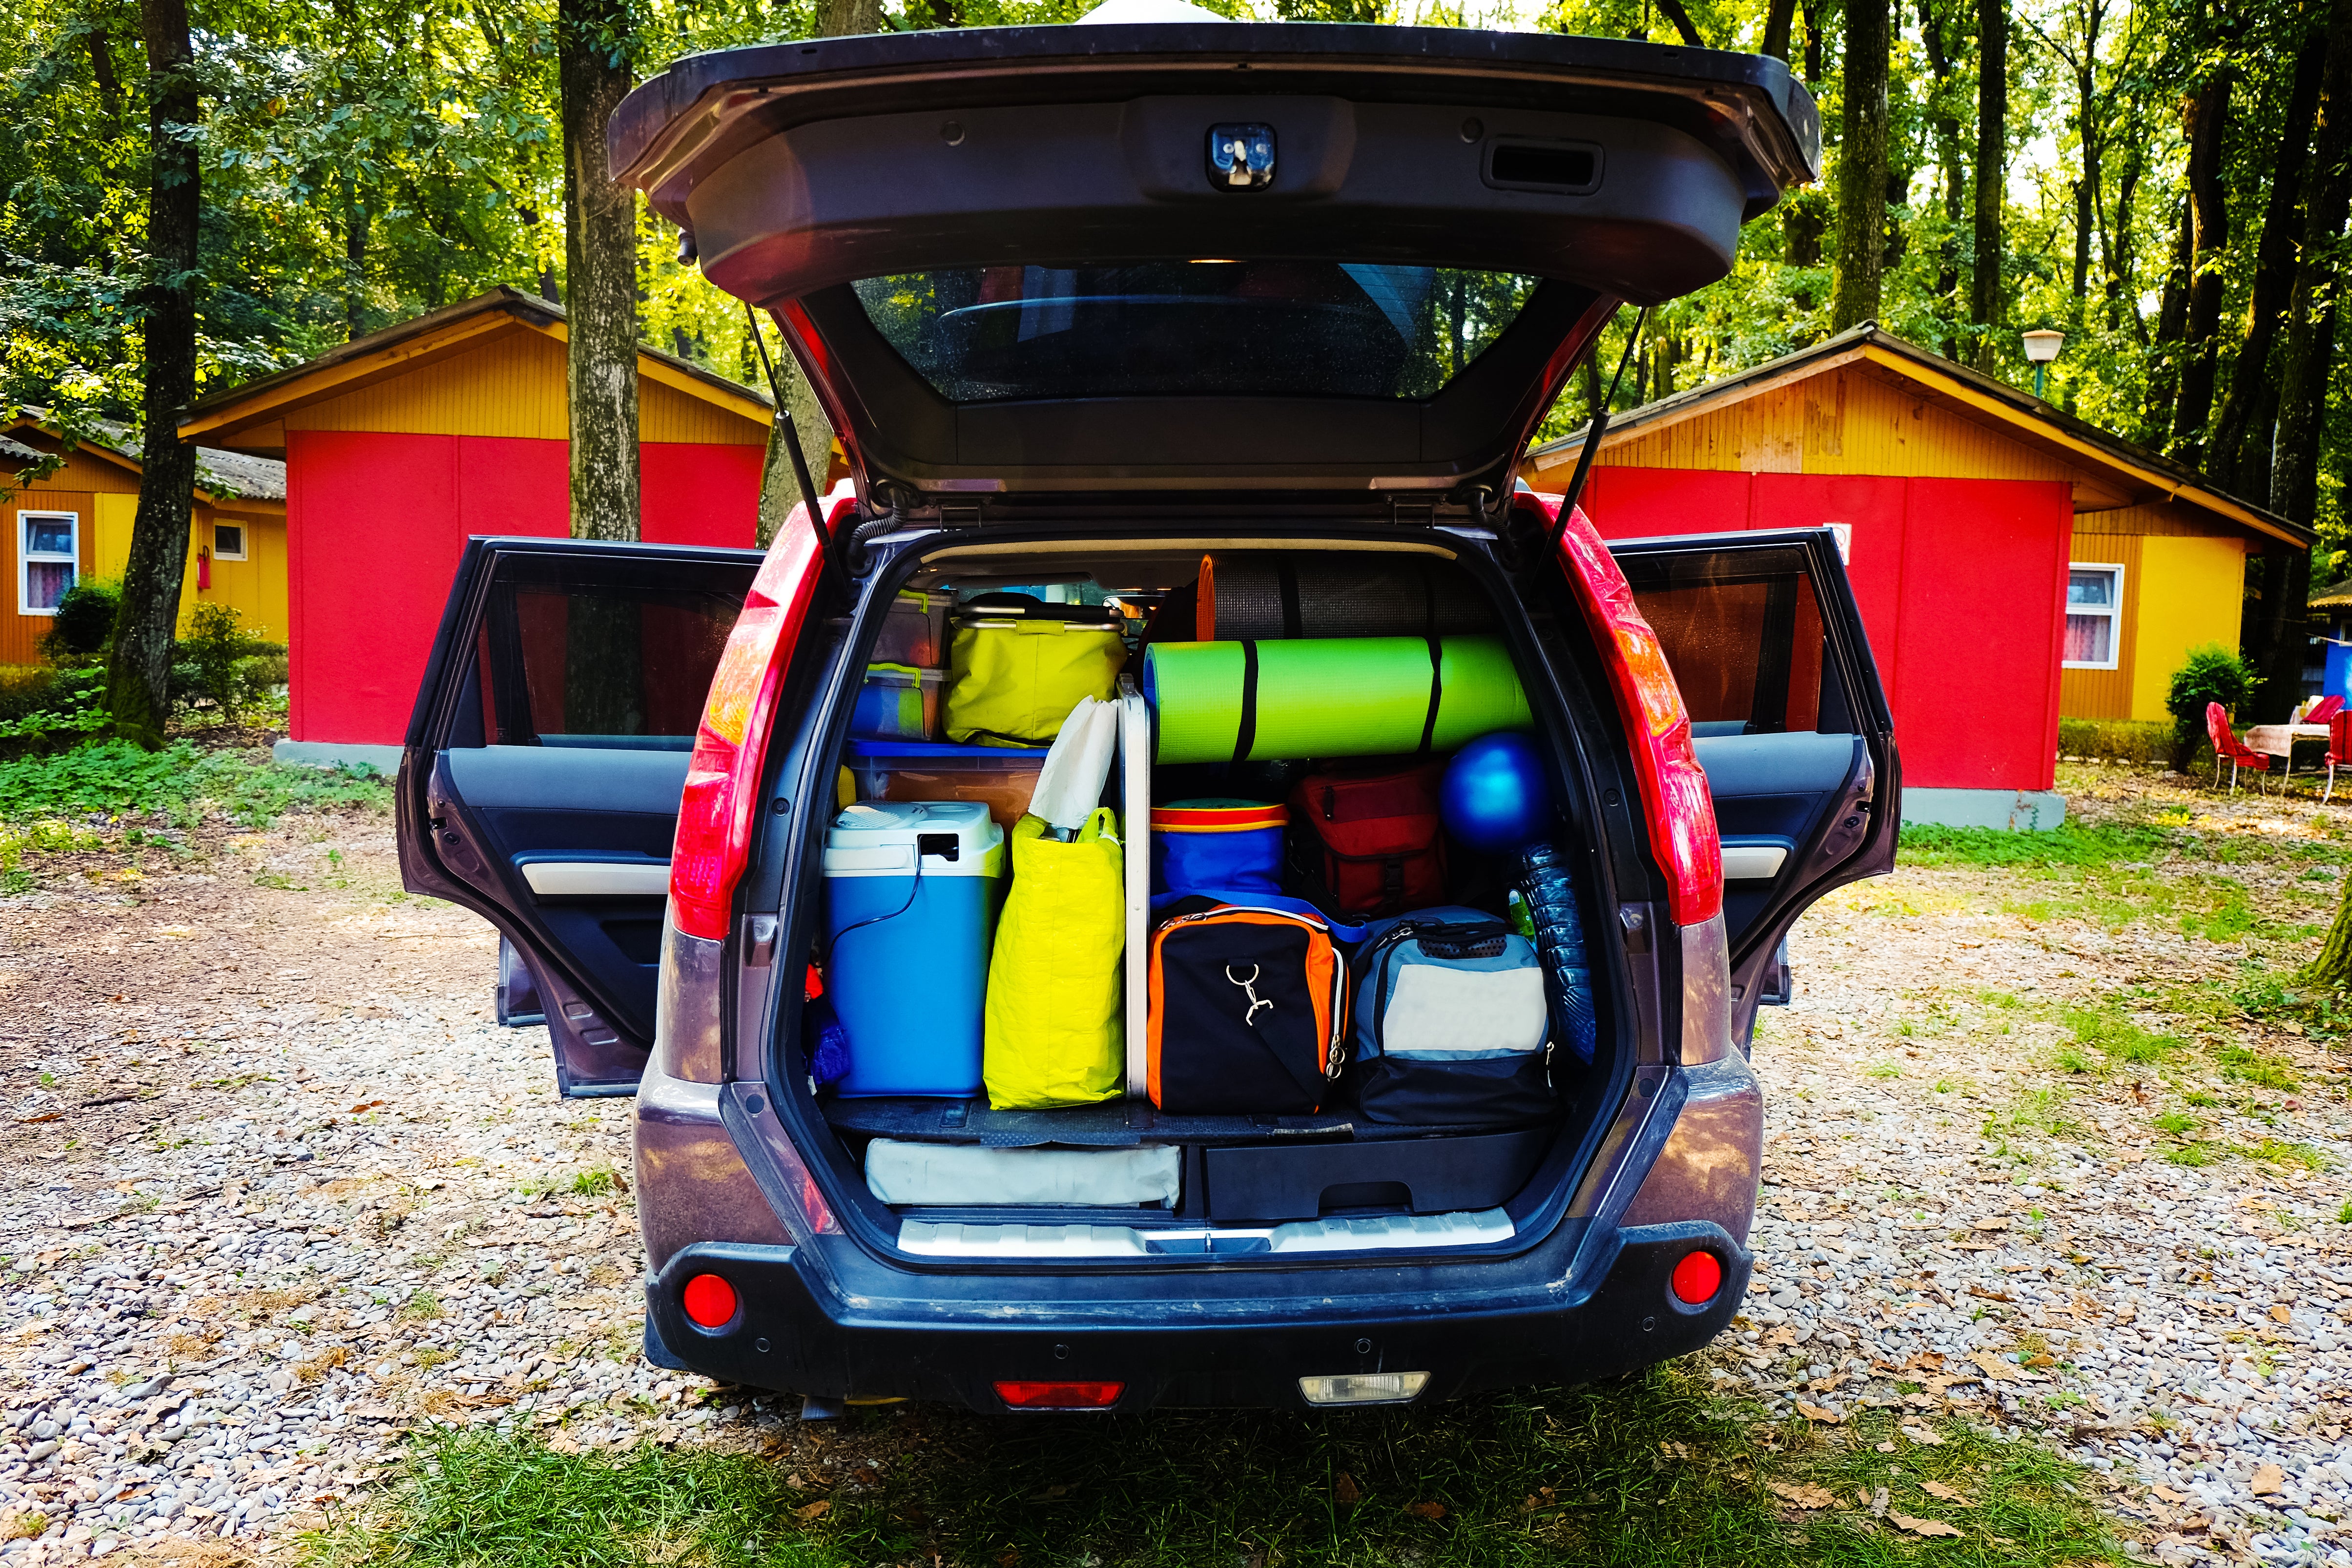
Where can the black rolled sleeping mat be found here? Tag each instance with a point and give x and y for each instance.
(1274, 594)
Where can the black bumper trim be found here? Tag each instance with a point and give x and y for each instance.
(784, 1339)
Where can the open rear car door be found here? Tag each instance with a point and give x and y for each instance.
(1790, 722)
(540, 782)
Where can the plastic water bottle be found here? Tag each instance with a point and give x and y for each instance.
(1549, 891)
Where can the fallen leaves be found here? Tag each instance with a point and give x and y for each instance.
(1344, 1487)
(1948, 1494)
(2269, 1481)
(1426, 1509)
(1995, 1224)
(1806, 1497)
(2281, 1314)
(1815, 1413)
(1924, 1436)
(1923, 1526)
(817, 1510)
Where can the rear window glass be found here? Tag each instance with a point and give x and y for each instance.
(1161, 329)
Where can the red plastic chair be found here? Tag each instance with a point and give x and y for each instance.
(2339, 748)
(2228, 747)
(2324, 710)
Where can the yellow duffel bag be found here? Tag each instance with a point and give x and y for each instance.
(1016, 665)
(1054, 1025)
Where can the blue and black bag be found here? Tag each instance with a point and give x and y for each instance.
(1452, 1025)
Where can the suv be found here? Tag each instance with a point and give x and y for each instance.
(1085, 305)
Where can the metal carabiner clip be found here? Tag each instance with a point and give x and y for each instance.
(1249, 989)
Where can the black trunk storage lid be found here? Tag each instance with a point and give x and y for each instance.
(1230, 256)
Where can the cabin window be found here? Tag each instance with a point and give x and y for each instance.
(2094, 601)
(228, 541)
(47, 559)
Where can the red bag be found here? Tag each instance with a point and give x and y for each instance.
(1365, 843)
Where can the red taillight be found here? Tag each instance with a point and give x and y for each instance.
(709, 1302)
(1674, 786)
(722, 777)
(1697, 1278)
(1060, 1395)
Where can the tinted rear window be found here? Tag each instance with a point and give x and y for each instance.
(1161, 329)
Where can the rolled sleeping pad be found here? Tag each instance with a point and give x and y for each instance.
(1549, 888)
(1329, 697)
(1263, 594)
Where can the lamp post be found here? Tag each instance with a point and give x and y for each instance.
(2042, 346)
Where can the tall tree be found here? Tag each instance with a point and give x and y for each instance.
(2228, 455)
(2205, 116)
(1947, 123)
(138, 679)
(1862, 166)
(593, 51)
(1991, 175)
(2302, 385)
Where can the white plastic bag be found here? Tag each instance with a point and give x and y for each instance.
(1070, 784)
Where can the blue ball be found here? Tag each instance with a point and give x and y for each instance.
(1495, 798)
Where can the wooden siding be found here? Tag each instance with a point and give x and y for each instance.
(2106, 693)
(2158, 519)
(20, 634)
(513, 384)
(1850, 420)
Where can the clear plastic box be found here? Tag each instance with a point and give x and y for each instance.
(915, 630)
(898, 703)
(1002, 777)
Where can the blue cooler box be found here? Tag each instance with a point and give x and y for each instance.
(907, 962)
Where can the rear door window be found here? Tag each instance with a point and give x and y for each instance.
(1255, 329)
(1745, 638)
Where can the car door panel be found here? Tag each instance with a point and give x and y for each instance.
(541, 777)
(1790, 722)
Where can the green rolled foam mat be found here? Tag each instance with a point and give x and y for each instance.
(1330, 697)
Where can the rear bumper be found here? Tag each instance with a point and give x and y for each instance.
(785, 1335)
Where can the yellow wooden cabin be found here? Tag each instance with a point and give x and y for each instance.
(75, 522)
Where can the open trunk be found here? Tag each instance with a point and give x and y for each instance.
(1280, 1180)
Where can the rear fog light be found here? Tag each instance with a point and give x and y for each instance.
(709, 1302)
(1697, 1278)
(1060, 1395)
(1364, 1387)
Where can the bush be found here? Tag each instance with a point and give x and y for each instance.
(84, 623)
(2117, 739)
(221, 662)
(41, 709)
(2211, 674)
(114, 777)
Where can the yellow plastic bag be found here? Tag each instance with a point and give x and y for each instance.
(1055, 1028)
(1012, 682)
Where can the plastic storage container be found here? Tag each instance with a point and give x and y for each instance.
(1002, 777)
(898, 702)
(915, 630)
(911, 892)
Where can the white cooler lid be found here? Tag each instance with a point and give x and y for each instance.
(879, 837)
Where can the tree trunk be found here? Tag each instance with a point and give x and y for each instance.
(2086, 189)
(355, 240)
(2303, 384)
(2116, 244)
(1778, 17)
(780, 490)
(139, 674)
(2333, 968)
(1813, 41)
(109, 87)
(1683, 27)
(1862, 167)
(2205, 121)
(1948, 158)
(839, 18)
(2275, 268)
(600, 253)
(1992, 163)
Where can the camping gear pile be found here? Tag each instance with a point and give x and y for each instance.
(1284, 852)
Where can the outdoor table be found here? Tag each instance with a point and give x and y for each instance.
(2278, 741)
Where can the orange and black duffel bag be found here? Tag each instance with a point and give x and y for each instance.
(1248, 1011)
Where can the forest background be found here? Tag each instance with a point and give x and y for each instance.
(200, 191)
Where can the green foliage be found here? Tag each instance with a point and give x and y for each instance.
(84, 622)
(113, 778)
(2117, 739)
(2067, 845)
(220, 662)
(2211, 674)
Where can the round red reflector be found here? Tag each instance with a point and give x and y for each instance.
(1696, 1278)
(710, 1300)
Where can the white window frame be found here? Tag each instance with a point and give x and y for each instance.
(25, 558)
(2114, 613)
(220, 554)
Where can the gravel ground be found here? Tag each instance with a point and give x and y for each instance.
(274, 1190)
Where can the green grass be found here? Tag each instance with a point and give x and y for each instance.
(1645, 1470)
(114, 777)
(2252, 1066)
(2067, 845)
